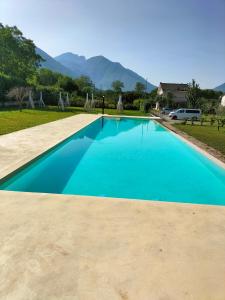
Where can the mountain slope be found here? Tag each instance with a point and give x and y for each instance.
(220, 88)
(102, 71)
(73, 62)
(52, 64)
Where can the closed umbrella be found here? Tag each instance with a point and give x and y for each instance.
(31, 102)
(120, 104)
(92, 101)
(87, 104)
(41, 101)
(67, 100)
(61, 102)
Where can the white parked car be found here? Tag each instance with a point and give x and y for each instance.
(185, 113)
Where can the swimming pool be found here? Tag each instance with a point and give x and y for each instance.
(124, 158)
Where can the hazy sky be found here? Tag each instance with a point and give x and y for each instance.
(163, 40)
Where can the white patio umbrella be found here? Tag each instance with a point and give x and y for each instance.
(87, 104)
(67, 100)
(92, 101)
(120, 104)
(31, 102)
(61, 102)
(41, 101)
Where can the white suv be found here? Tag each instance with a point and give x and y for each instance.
(185, 113)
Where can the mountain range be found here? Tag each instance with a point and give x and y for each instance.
(101, 70)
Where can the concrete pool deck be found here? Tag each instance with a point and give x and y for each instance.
(74, 247)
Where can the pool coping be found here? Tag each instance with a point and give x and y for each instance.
(132, 117)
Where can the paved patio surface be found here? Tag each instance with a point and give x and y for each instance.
(73, 247)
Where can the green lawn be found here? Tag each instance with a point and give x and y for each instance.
(206, 134)
(13, 120)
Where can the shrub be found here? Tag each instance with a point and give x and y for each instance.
(130, 107)
(110, 105)
(77, 101)
(147, 105)
(138, 103)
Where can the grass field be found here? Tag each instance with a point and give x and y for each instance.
(13, 120)
(206, 134)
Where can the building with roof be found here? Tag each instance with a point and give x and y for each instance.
(178, 91)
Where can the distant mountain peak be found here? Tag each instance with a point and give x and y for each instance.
(70, 54)
(98, 57)
(72, 61)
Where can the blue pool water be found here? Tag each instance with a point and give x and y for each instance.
(125, 158)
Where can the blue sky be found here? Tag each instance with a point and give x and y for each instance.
(163, 40)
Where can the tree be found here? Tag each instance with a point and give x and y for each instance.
(46, 77)
(85, 85)
(139, 88)
(153, 93)
(67, 84)
(169, 99)
(19, 93)
(210, 94)
(17, 54)
(117, 86)
(193, 95)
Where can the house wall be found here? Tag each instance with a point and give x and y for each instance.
(178, 96)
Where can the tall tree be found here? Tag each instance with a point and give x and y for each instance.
(46, 77)
(117, 86)
(67, 84)
(139, 88)
(169, 99)
(84, 83)
(17, 54)
(193, 94)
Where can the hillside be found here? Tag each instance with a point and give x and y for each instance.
(53, 65)
(220, 88)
